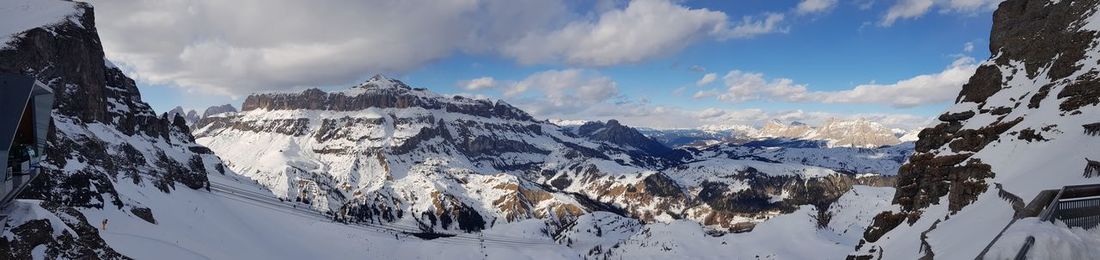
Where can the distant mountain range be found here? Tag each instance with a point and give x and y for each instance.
(192, 117)
(859, 133)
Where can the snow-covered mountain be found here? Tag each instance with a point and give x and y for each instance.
(1019, 126)
(837, 133)
(884, 160)
(215, 110)
(372, 151)
(692, 137)
(192, 117)
(734, 129)
(189, 116)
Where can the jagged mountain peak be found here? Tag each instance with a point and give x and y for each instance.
(214, 110)
(379, 81)
(616, 133)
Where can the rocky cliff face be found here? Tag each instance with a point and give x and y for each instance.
(190, 116)
(214, 110)
(779, 129)
(101, 134)
(1019, 126)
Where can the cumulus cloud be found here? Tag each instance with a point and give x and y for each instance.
(814, 6)
(577, 94)
(642, 30)
(238, 47)
(905, 9)
(753, 26)
(744, 86)
(557, 92)
(915, 91)
(918, 90)
(707, 79)
(478, 83)
(912, 9)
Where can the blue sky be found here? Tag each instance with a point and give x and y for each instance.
(825, 52)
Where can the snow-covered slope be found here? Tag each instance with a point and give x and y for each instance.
(799, 235)
(1018, 127)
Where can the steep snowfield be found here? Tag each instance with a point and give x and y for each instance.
(197, 224)
(790, 236)
(1052, 241)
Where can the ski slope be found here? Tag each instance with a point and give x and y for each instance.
(233, 221)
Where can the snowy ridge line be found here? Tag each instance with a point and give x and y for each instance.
(262, 198)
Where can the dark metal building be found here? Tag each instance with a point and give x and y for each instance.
(25, 106)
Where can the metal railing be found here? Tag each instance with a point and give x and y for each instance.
(1076, 206)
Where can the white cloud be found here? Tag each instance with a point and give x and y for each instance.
(972, 5)
(918, 90)
(577, 94)
(814, 6)
(239, 47)
(905, 9)
(561, 91)
(752, 27)
(478, 83)
(912, 9)
(915, 91)
(744, 86)
(864, 4)
(968, 47)
(643, 29)
(707, 79)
